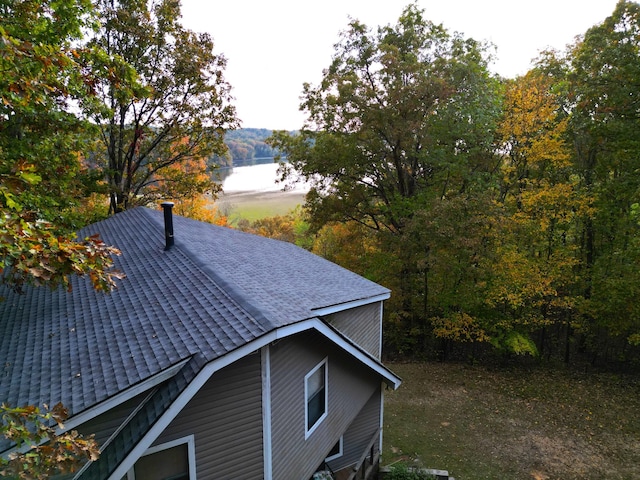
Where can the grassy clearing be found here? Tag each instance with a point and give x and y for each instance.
(256, 205)
(481, 423)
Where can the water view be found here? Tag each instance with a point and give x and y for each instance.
(251, 192)
(259, 177)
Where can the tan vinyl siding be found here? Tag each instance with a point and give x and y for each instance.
(104, 425)
(359, 434)
(362, 325)
(350, 385)
(226, 418)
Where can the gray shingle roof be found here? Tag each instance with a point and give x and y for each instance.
(214, 291)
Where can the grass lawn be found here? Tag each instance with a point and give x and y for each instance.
(515, 423)
(256, 205)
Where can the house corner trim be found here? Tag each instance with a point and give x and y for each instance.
(265, 356)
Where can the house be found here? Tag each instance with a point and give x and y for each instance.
(221, 355)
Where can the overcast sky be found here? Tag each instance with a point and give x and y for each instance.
(274, 46)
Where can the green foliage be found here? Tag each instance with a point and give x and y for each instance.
(172, 109)
(603, 69)
(40, 450)
(515, 342)
(401, 471)
(401, 117)
(399, 135)
(507, 213)
(244, 146)
(35, 254)
(44, 76)
(292, 227)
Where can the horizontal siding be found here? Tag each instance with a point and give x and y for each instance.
(226, 418)
(350, 386)
(103, 426)
(362, 325)
(359, 433)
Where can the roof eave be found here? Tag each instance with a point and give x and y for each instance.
(390, 378)
(328, 310)
(123, 396)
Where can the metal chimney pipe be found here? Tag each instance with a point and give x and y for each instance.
(168, 224)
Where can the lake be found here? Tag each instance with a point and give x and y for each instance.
(251, 192)
(259, 177)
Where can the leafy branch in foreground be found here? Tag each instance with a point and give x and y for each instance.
(40, 450)
(35, 252)
(43, 81)
(36, 255)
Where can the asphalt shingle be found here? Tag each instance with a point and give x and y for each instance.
(214, 291)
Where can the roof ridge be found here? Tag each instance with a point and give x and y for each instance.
(227, 288)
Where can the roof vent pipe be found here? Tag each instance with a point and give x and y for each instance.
(168, 224)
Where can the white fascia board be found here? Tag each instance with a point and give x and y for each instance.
(209, 369)
(389, 377)
(288, 330)
(189, 392)
(123, 396)
(322, 311)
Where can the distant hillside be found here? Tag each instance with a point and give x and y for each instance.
(245, 145)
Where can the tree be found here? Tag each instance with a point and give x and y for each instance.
(401, 114)
(182, 184)
(596, 83)
(452, 245)
(42, 76)
(534, 287)
(41, 451)
(604, 74)
(175, 108)
(401, 124)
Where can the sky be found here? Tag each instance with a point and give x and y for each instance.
(272, 47)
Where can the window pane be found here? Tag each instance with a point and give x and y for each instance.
(316, 408)
(316, 396)
(169, 464)
(315, 381)
(336, 450)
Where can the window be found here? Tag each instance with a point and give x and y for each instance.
(169, 461)
(315, 389)
(336, 451)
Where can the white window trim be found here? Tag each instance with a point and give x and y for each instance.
(391, 379)
(191, 454)
(309, 431)
(340, 450)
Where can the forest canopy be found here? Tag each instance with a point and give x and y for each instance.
(502, 213)
(244, 145)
